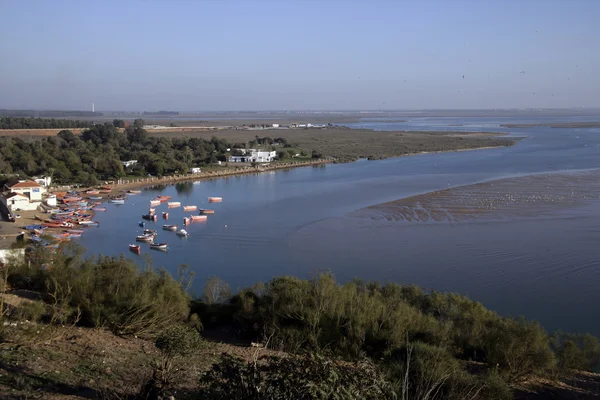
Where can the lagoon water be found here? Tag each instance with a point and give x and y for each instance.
(543, 265)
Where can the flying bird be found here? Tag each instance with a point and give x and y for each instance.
(463, 77)
(522, 72)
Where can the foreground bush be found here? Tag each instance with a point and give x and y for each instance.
(298, 378)
(106, 292)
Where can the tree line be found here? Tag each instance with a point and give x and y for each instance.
(97, 154)
(41, 123)
(48, 113)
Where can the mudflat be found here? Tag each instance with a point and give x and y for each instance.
(590, 124)
(520, 197)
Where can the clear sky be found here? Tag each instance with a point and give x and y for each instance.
(201, 55)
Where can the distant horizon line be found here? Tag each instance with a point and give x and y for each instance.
(357, 110)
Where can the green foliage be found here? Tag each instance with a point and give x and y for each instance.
(422, 371)
(178, 341)
(108, 291)
(299, 378)
(119, 123)
(369, 319)
(97, 153)
(518, 348)
(576, 352)
(41, 123)
(31, 311)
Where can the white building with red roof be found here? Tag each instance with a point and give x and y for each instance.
(32, 190)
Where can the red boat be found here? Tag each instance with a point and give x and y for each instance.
(135, 248)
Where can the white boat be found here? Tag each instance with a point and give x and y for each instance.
(154, 203)
(190, 208)
(215, 199)
(182, 232)
(117, 201)
(173, 204)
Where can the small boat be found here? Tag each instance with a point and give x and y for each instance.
(118, 201)
(173, 204)
(151, 210)
(52, 225)
(190, 208)
(74, 235)
(186, 220)
(182, 232)
(88, 223)
(144, 238)
(172, 228)
(152, 232)
(92, 192)
(95, 198)
(206, 211)
(150, 217)
(134, 191)
(154, 203)
(142, 224)
(215, 199)
(165, 215)
(105, 188)
(135, 248)
(196, 218)
(80, 231)
(163, 199)
(158, 246)
(101, 209)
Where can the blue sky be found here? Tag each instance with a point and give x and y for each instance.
(200, 55)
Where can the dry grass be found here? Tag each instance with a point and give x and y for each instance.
(350, 144)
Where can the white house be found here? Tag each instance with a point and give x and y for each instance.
(195, 170)
(253, 155)
(17, 202)
(31, 189)
(275, 125)
(44, 181)
(127, 164)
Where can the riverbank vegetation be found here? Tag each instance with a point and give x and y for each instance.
(313, 339)
(97, 154)
(346, 145)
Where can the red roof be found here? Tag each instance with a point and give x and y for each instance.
(13, 194)
(24, 185)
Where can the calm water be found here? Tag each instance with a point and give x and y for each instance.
(303, 220)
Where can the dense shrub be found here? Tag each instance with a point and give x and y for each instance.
(421, 371)
(579, 352)
(108, 291)
(299, 378)
(518, 348)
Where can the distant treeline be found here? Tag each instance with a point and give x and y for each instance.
(41, 123)
(97, 153)
(47, 113)
(160, 113)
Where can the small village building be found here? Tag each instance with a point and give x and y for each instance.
(17, 202)
(31, 189)
(254, 155)
(195, 170)
(130, 163)
(44, 181)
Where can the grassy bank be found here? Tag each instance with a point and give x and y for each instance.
(347, 144)
(102, 328)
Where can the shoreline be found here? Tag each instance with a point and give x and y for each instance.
(238, 171)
